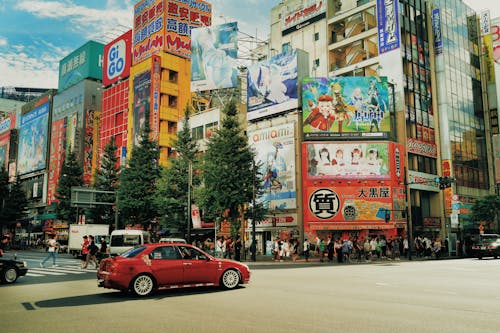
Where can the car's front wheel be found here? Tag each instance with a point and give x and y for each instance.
(9, 275)
(143, 285)
(230, 279)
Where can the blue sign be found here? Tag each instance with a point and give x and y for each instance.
(436, 29)
(388, 25)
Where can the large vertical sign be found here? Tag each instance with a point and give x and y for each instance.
(141, 105)
(155, 96)
(436, 30)
(388, 25)
(181, 17)
(214, 52)
(485, 26)
(149, 29)
(89, 146)
(345, 107)
(57, 154)
(33, 140)
(272, 85)
(275, 153)
(85, 62)
(495, 39)
(117, 59)
(5, 126)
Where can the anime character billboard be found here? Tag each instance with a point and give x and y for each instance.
(33, 140)
(214, 53)
(346, 107)
(3, 157)
(347, 160)
(272, 85)
(275, 154)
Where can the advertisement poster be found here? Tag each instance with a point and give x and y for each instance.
(181, 18)
(303, 16)
(272, 86)
(348, 160)
(117, 59)
(142, 101)
(57, 154)
(33, 140)
(346, 107)
(275, 154)
(347, 204)
(149, 28)
(3, 157)
(388, 25)
(214, 53)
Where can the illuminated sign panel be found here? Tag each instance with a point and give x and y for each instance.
(85, 62)
(117, 59)
(388, 25)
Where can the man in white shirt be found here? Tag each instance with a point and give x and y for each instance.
(51, 251)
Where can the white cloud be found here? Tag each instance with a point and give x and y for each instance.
(92, 23)
(20, 70)
(3, 41)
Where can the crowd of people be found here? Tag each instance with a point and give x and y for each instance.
(91, 253)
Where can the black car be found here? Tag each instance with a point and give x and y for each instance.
(10, 270)
(487, 246)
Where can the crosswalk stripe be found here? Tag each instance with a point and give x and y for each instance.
(33, 274)
(46, 271)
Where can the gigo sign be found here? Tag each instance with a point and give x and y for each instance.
(117, 59)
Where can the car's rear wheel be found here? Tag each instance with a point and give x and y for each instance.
(230, 279)
(9, 275)
(143, 285)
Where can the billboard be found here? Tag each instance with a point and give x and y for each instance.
(149, 28)
(487, 50)
(90, 145)
(346, 107)
(272, 85)
(33, 140)
(436, 29)
(214, 53)
(338, 160)
(84, 62)
(5, 137)
(388, 25)
(141, 105)
(275, 154)
(180, 18)
(361, 203)
(117, 59)
(303, 16)
(57, 154)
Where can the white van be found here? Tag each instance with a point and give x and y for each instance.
(123, 240)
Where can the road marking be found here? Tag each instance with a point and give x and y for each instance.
(33, 274)
(46, 271)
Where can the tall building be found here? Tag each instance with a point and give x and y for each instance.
(425, 56)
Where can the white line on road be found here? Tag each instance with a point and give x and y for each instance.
(46, 271)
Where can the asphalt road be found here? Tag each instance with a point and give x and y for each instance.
(425, 296)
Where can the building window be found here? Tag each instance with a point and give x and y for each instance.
(173, 76)
(172, 127)
(197, 133)
(316, 36)
(172, 101)
(316, 63)
(93, 100)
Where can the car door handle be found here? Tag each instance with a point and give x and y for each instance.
(187, 264)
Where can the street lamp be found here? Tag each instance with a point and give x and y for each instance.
(190, 184)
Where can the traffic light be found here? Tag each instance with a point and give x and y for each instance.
(444, 182)
(387, 216)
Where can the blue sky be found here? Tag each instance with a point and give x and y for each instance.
(36, 34)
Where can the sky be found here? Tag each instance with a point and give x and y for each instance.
(36, 34)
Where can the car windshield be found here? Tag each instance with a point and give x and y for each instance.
(488, 238)
(133, 252)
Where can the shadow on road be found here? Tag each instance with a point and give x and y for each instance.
(117, 296)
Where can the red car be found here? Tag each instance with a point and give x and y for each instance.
(149, 267)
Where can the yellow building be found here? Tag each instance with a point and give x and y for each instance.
(165, 89)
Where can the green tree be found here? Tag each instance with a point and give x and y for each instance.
(136, 194)
(172, 198)
(106, 179)
(228, 172)
(71, 175)
(16, 202)
(486, 208)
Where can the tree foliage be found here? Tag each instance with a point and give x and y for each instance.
(228, 173)
(136, 195)
(106, 179)
(486, 208)
(171, 198)
(71, 175)
(12, 199)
